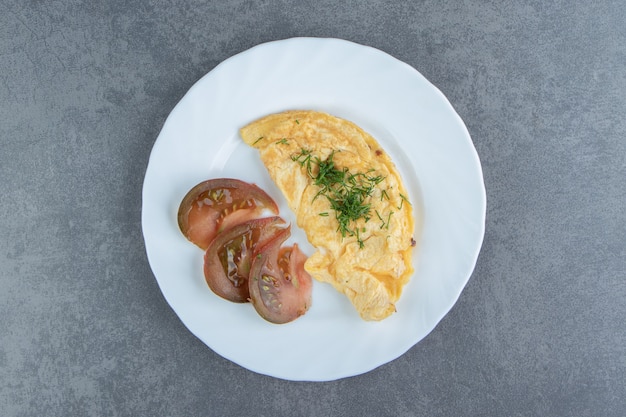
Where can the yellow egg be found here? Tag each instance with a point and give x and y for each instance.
(349, 199)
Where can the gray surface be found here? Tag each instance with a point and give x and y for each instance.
(84, 90)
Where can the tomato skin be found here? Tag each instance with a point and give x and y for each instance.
(228, 259)
(280, 288)
(218, 204)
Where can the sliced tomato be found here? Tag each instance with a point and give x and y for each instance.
(280, 288)
(218, 204)
(229, 256)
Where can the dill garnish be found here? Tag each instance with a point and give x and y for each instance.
(383, 194)
(384, 224)
(403, 197)
(304, 159)
(346, 192)
(255, 142)
(283, 141)
(388, 219)
(382, 221)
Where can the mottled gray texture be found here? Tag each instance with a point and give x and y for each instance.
(84, 90)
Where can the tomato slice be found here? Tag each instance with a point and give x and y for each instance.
(218, 204)
(280, 288)
(229, 256)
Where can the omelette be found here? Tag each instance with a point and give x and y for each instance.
(349, 199)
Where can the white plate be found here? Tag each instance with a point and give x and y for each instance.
(409, 117)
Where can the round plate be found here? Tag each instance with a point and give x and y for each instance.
(409, 117)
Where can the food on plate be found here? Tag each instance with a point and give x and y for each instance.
(229, 256)
(349, 199)
(280, 288)
(222, 216)
(218, 204)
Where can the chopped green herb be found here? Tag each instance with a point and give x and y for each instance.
(358, 239)
(388, 218)
(383, 194)
(283, 141)
(346, 192)
(297, 122)
(384, 224)
(255, 142)
(304, 159)
(324, 214)
(403, 200)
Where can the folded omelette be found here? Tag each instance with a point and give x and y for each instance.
(349, 199)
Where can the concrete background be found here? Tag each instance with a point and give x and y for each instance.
(84, 90)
